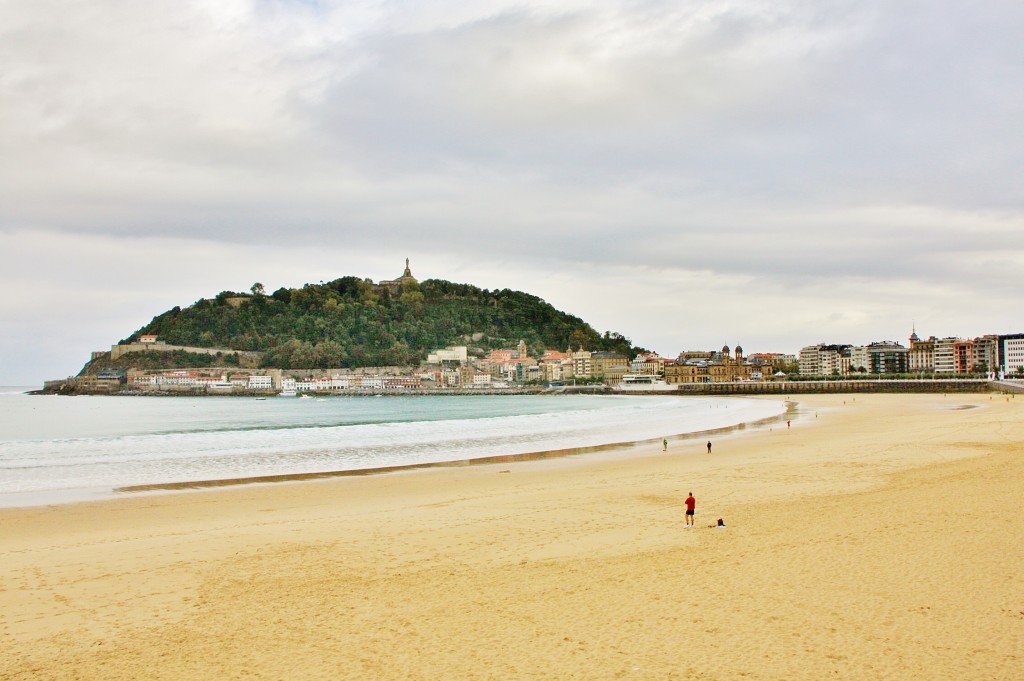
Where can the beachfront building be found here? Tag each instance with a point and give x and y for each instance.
(649, 363)
(259, 382)
(713, 367)
(613, 374)
(687, 371)
(478, 379)
(776, 360)
(986, 354)
(527, 371)
(921, 354)
(581, 365)
(607, 365)
(305, 385)
(555, 366)
(554, 372)
(825, 360)
(884, 357)
(953, 355)
(1011, 354)
(945, 358)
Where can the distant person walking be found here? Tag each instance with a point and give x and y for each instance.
(691, 505)
(664, 445)
(709, 446)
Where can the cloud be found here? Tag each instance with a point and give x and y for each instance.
(796, 154)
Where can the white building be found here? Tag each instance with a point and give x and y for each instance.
(944, 357)
(824, 360)
(304, 385)
(450, 354)
(260, 383)
(1011, 354)
(343, 382)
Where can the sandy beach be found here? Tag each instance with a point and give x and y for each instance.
(878, 537)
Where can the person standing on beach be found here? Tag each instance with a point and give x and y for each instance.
(664, 445)
(691, 505)
(709, 446)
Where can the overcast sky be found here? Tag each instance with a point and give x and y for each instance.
(690, 174)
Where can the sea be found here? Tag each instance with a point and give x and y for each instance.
(59, 449)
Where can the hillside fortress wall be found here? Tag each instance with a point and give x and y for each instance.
(123, 349)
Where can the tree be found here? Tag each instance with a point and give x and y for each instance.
(579, 338)
(257, 289)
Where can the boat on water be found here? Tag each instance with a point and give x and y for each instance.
(644, 383)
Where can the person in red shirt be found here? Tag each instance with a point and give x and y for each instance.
(691, 504)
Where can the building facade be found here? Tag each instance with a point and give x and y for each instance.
(825, 360)
(1011, 354)
(885, 357)
(713, 367)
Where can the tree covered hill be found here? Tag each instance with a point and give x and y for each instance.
(351, 322)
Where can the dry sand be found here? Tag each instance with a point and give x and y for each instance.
(881, 537)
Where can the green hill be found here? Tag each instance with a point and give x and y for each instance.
(351, 322)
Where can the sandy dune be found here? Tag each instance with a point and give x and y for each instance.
(880, 537)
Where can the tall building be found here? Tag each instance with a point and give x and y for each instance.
(825, 360)
(921, 354)
(604, 364)
(1011, 354)
(944, 359)
(954, 355)
(885, 357)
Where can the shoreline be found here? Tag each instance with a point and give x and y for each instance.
(621, 447)
(94, 493)
(876, 538)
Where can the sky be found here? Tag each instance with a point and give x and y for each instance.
(688, 174)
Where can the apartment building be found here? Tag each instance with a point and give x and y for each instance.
(1011, 354)
(603, 363)
(650, 363)
(944, 360)
(921, 354)
(884, 357)
(825, 360)
(581, 365)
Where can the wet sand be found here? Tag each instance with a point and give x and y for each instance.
(878, 537)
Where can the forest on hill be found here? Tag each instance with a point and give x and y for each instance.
(350, 322)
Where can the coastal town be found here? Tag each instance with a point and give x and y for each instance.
(457, 368)
(468, 368)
